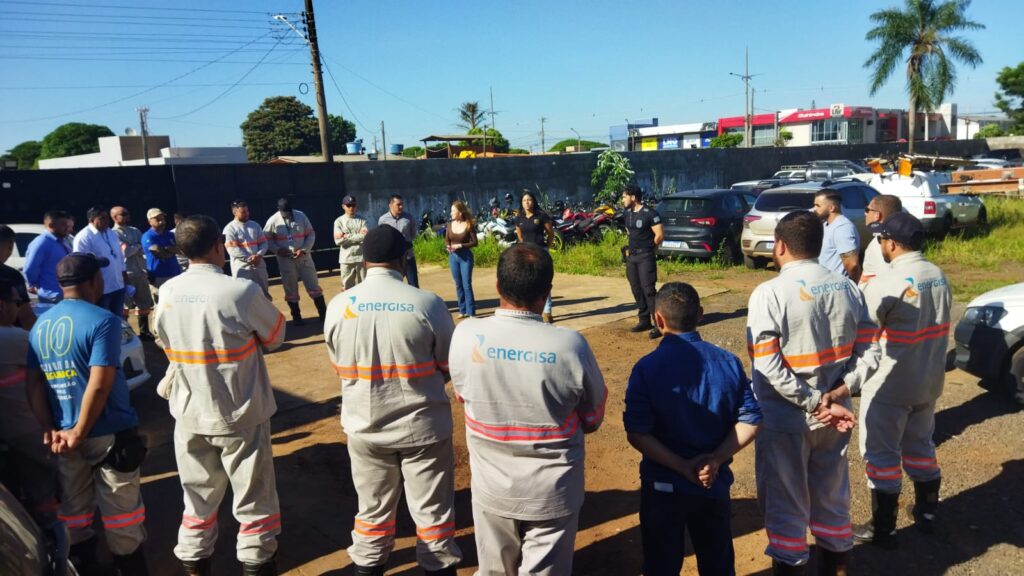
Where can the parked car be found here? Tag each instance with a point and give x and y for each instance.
(820, 170)
(758, 237)
(983, 162)
(990, 340)
(700, 223)
(792, 173)
(922, 196)
(133, 357)
(744, 186)
(26, 549)
(769, 183)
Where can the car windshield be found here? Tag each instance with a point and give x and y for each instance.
(781, 201)
(689, 205)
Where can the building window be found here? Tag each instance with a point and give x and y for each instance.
(831, 131)
(854, 131)
(764, 135)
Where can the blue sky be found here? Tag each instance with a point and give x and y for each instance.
(582, 65)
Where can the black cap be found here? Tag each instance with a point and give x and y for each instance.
(903, 228)
(79, 267)
(384, 244)
(283, 205)
(348, 201)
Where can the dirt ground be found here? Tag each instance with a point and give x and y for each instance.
(980, 529)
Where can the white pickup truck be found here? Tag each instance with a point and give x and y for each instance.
(922, 197)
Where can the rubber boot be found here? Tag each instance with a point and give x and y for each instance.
(369, 570)
(268, 568)
(321, 308)
(642, 325)
(925, 503)
(83, 556)
(133, 564)
(296, 314)
(832, 563)
(201, 567)
(783, 569)
(881, 531)
(449, 571)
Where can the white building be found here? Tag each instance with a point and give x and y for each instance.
(128, 151)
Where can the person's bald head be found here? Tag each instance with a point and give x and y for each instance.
(120, 215)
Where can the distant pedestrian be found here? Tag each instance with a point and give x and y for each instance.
(460, 239)
(161, 253)
(182, 260)
(246, 245)
(79, 395)
(25, 317)
(689, 409)
(534, 226)
(349, 231)
(878, 210)
(99, 240)
(42, 256)
(643, 225)
(531, 391)
(400, 220)
(290, 235)
(840, 247)
(215, 329)
(140, 302)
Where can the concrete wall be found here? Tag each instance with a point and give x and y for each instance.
(1006, 143)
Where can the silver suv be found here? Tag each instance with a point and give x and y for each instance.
(758, 236)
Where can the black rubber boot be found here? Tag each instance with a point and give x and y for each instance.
(881, 531)
(83, 556)
(201, 567)
(449, 571)
(321, 308)
(832, 563)
(296, 314)
(654, 334)
(268, 568)
(783, 569)
(133, 564)
(642, 326)
(925, 503)
(369, 570)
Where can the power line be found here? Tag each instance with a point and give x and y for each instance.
(129, 7)
(175, 60)
(386, 91)
(125, 35)
(75, 20)
(123, 86)
(133, 16)
(343, 99)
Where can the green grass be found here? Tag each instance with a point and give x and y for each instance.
(992, 248)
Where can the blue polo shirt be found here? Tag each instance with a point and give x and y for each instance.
(65, 342)
(840, 237)
(167, 267)
(689, 394)
(41, 259)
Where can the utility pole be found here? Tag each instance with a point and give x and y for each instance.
(752, 91)
(748, 107)
(384, 140)
(543, 148)
(578, 139)
(144, 128)
(491, 90)
(318, 83)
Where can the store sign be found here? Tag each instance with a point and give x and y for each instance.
(836, 111)
(649, 144)
(670, 143)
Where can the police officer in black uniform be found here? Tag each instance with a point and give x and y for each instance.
(645, 235)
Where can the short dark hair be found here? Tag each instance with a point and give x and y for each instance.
(832, 196)
(197, 235)
(52, 215)
(6, 234)
(633, 189)
(679, 304)
(95, 212)
(394, 197)
(888, 204)
(525, 272)
(802, 232)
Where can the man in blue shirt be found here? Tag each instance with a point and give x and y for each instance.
(689, 409)
(161, 253)
(79, 395)
(840, 247)
(42, 256)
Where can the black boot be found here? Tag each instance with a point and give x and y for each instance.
(201, 567)
(296, 314)
(144, 333)
(642, 326)
(83, 556)
(321, 308)
(133, 564)
(881, 531)
(369, 570)
(832, 563)
(925, 502)
(783, 569)
(449, 571)
(654, 334)
(268, 568)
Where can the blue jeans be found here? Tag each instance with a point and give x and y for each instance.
(461, 264)
(664, 520)
(113, 301)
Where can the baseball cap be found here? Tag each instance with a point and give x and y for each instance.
(283, 205)
(154, 212)
(384, 244)
(903, 228)
(348, 201)
(79, 267)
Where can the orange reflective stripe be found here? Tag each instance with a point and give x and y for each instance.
(193, 523)
(438, 532)
(819, 358)
(386, 371)
(763, 349)
(275, 331)
(137, 516)
(262, 525)
(920, 463)
(13, 379)
(891, 473)
(795, 544)
(245, 244)
(367, 529)
(867, 335)
(211, 356)
(901, 337)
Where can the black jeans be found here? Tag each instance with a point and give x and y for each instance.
(642, 273)
(664, 521)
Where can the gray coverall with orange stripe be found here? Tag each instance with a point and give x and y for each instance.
(910, 302)
(295, 233)
(389, 343)
(808, 331)
(243, 240)
(214, 329)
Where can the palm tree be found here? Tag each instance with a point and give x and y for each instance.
(470, 115)
(925, 29)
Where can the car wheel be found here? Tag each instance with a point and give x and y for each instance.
(754, 263)
(731, 252)
(982, 218)
(558, 242)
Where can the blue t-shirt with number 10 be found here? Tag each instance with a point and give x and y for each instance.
(64, 343)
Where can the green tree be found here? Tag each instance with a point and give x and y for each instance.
(413, 152)
(727, 140)
(610, 176)
(25, 154)
(519, 151)
(922, 34)
(342, 132)
(1010, 98)
(583, 145)
(495, 141)
(72, 139)
(989, 131)
(471, 115)
(281, 126)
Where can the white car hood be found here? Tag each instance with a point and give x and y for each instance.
(1006, 297)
